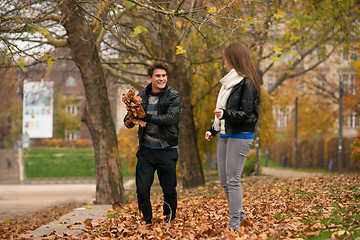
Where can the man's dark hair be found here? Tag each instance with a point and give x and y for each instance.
(157, 65)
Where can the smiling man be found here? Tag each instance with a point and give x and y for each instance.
(158, 142)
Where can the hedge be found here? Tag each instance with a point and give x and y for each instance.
(65, 143)
(315, 153)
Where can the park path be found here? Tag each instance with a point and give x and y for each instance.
(288, 173)
(22, 199)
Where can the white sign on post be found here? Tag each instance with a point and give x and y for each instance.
(38, 109)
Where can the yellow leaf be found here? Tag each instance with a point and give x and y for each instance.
(339, 233)
(277, 50)
(299, 57)
(139, 29)
(180, 50)
(212, 10)
(136, 212)
(43, 31)
(88, 207)
(179, 24)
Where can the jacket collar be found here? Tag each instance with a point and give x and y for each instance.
(231, 79)
(149, 87)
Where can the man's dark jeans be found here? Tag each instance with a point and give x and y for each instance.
(164, 162)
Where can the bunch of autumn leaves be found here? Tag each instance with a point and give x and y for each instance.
(135, 110)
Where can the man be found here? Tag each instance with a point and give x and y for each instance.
(158, 142)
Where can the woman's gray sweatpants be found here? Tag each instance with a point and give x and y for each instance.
(231, 154)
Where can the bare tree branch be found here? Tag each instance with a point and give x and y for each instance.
(313, 66)
(111, 23)
(207, 93)
(160, 9)
(115, 73)
(53, 41)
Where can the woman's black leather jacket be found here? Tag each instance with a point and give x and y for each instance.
(241, 113)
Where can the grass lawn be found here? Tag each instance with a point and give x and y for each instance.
(58, 163)
(272, 164)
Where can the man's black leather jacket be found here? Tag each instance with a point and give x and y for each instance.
(169, 109)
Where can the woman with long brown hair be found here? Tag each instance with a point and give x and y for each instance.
(236, 114)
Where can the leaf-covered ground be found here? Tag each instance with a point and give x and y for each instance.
(307, 208)
(21, 225)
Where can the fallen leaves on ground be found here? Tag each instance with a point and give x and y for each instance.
(18, 226)
(276, 209)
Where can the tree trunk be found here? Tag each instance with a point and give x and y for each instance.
(190, 164)
(109, 182)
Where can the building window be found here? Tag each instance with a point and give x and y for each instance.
(354, 54)
(349, 83)
(270, 81)
(71, 109)
(354, 121)
(281, 119)
(353, 84)
(72, 135)
(345, 80)
(70, 82)
(321, 84)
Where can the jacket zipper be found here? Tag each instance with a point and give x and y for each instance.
(162, 146)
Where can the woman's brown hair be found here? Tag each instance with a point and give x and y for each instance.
(239, 58)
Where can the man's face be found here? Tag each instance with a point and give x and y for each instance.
(158, 80)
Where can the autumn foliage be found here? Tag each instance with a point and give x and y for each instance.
(276, 208)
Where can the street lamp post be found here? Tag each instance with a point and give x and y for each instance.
(340, 126)
(295, 132)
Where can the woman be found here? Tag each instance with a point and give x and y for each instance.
(236, 115)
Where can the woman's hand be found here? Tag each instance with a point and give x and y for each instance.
(208, 136)
(218, 113)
